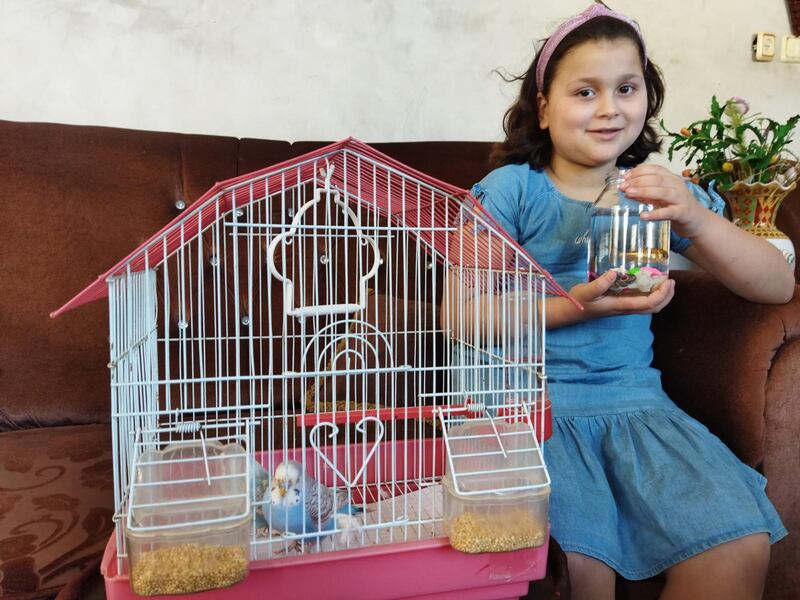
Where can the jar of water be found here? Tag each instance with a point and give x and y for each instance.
(619, 240)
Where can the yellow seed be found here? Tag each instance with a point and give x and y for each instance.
(727, 167)
(473, 533)
(188, 568)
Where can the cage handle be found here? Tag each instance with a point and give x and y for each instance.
(196, 427)
(496, 433)
(327, 172)
(205, 457)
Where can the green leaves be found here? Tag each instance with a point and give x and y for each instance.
(729, 146)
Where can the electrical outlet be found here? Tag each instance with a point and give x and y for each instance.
(790, 48)
(763, 46)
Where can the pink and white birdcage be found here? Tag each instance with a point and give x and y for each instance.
(337, 329)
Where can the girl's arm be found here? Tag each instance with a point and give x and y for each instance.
(747, 265)
(467, 314)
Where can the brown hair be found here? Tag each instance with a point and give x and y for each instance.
(526, 142)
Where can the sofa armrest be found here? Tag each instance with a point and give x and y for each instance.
(735, 366)
(730, 363)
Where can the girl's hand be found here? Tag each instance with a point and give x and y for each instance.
(596, 304)
(671, 198)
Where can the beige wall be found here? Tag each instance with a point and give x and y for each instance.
(380, 70)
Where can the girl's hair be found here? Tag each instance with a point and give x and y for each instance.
(526, 142)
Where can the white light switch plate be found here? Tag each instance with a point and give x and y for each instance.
(764, 46)
(790, 48)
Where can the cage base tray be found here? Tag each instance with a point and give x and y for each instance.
(425, 570)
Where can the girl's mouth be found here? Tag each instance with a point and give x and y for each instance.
(606, 133)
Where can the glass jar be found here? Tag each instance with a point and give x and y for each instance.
(619, 240)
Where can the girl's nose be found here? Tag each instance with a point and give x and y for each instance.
(608, 106)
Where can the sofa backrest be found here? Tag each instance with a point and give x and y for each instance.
(78, 199)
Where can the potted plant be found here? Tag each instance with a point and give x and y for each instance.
(746, 156)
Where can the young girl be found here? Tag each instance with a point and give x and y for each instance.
(639, 487)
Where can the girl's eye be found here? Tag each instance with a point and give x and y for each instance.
(585, 93)
(627, 89)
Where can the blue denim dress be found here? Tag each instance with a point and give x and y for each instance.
(636, 482)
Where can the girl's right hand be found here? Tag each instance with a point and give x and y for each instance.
(596, 304)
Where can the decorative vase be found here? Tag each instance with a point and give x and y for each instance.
(754, 207)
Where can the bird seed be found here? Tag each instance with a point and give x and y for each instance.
(474, 533)
(188, 568)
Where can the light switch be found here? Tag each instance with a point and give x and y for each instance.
(790, 48)
(763, 46)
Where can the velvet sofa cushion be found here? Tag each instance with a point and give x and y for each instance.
(257, 154)
(716, 351)
(56, 506)
(80, 199)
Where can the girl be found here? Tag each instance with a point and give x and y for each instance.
(639, 487)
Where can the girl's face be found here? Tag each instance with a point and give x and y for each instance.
(597, 104)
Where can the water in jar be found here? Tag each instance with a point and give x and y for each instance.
(637, 250)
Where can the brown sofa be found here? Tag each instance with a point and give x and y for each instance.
(77, 198)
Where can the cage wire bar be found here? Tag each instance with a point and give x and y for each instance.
(342, 311)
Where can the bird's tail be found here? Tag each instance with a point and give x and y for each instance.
(349, 525)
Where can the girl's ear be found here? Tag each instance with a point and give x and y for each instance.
(541, 103)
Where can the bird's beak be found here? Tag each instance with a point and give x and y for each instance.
(281, 491)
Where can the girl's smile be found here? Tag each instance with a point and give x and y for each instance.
(606, 133)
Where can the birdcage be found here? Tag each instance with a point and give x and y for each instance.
(312, 365)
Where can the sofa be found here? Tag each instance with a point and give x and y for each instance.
(78, 198)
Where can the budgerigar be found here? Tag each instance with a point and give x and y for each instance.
(298, 504)
(260, 483)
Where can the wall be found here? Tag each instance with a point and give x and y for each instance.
(380, 70)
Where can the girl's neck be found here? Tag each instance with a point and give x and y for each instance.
(577, 181)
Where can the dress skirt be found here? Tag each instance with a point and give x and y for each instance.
(643, 488)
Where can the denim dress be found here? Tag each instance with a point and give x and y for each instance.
(636, 482)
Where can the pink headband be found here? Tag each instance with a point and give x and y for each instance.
(595, 10)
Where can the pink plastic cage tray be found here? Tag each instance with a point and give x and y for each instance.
(424, 569)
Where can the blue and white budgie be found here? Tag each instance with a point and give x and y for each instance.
(299, 504)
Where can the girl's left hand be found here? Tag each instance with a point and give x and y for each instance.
(671, 198)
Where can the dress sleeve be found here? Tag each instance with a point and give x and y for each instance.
(711, 200)
(502, 194)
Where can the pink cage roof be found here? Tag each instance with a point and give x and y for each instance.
(233, 193)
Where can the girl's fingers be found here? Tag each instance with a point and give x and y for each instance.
(648, 170)
(593, 293)
(652, 176)
(659, 214)
(661, 194)
(600, 286)
(668, 288)
(651, 303)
